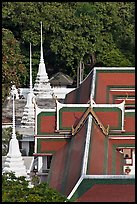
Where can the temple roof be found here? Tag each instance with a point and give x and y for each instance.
(60, 79)
(106, 85)
(84, 132)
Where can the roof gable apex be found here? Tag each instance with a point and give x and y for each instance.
(84, 118)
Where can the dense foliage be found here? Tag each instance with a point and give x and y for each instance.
(13, 69)
(17, 190)
(97, 33)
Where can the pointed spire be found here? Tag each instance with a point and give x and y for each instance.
(13, 127)
(28, 114)
(41, 58)
(42, 88)
(30, 71)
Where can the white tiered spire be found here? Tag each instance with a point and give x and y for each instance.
(14, 162)
(42, 86)
(28, 114)
(31, 90)
(41, 57)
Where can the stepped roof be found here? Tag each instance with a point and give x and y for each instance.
(106, 85)
(85, 131)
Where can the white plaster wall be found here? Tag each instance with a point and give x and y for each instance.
(44, 163)
(40, 164)
(60, 92)
(133, 166)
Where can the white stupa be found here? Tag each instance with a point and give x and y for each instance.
(42, 88)
(28, 114)
(14, 161)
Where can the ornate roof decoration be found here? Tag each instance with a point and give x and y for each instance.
(96, 119)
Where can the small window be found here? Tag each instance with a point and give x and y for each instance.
(127, 156)
(49, 158)
(31, 148)
(127, 153)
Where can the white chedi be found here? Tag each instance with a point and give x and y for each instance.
(42, 88)
(14, 161)
(29, 112)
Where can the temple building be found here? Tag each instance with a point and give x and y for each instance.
(83, 144)
(86, 145)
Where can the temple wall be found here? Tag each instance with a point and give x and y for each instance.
(129, 123)
(119, 163)
(46, 123)
(50, 145)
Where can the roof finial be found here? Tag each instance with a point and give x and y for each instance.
(41, 59)
(30, 70)
(13, 127)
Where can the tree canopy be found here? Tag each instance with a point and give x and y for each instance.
(13, 68)
(16, 189)
(99, 33)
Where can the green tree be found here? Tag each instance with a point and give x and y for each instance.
(102, 33)
(13, 69)
(118, 33)
(17, 190)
